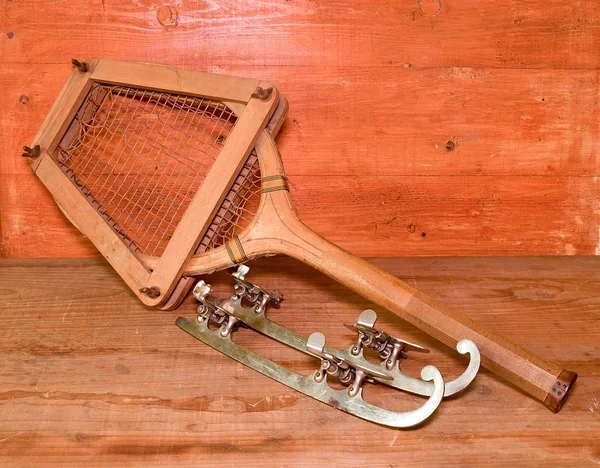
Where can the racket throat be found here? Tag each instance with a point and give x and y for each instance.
(219, 319)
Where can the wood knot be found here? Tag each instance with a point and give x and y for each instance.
(167, 16)
(430, 7)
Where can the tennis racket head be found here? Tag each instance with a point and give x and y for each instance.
(154, 164)
(221, 246)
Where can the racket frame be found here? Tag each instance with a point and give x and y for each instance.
(253, 101)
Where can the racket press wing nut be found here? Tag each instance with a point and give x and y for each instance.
(349, 367)
(174, 174)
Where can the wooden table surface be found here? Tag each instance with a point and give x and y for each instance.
(90, 376)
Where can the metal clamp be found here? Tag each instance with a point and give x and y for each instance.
(391, 350)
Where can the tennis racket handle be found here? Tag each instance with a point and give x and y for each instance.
(545, 381)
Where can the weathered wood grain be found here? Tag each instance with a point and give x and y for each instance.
(376, 90)
(389, 120)
(373, 215)
(423, 33)
(91, 376)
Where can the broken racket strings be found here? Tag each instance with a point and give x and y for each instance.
(248, 306)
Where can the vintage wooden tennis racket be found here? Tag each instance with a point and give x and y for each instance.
(174, 174)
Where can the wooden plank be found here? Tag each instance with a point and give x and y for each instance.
(89, 374)
(402, 121)
(32, 225)
(390, 120)
(27, 101)
(457, 215)
(374, 216)
(429, 33)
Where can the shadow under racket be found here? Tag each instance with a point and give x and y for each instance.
(348, 366)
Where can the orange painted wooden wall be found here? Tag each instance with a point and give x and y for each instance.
(416, 127)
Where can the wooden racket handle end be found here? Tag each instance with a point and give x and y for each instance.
(560, 390)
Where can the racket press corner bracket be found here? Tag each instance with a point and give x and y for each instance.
(218, 319)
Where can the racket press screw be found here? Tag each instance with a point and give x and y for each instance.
(152, 292)
(32, 153)
(81, 66)
(262, 93)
